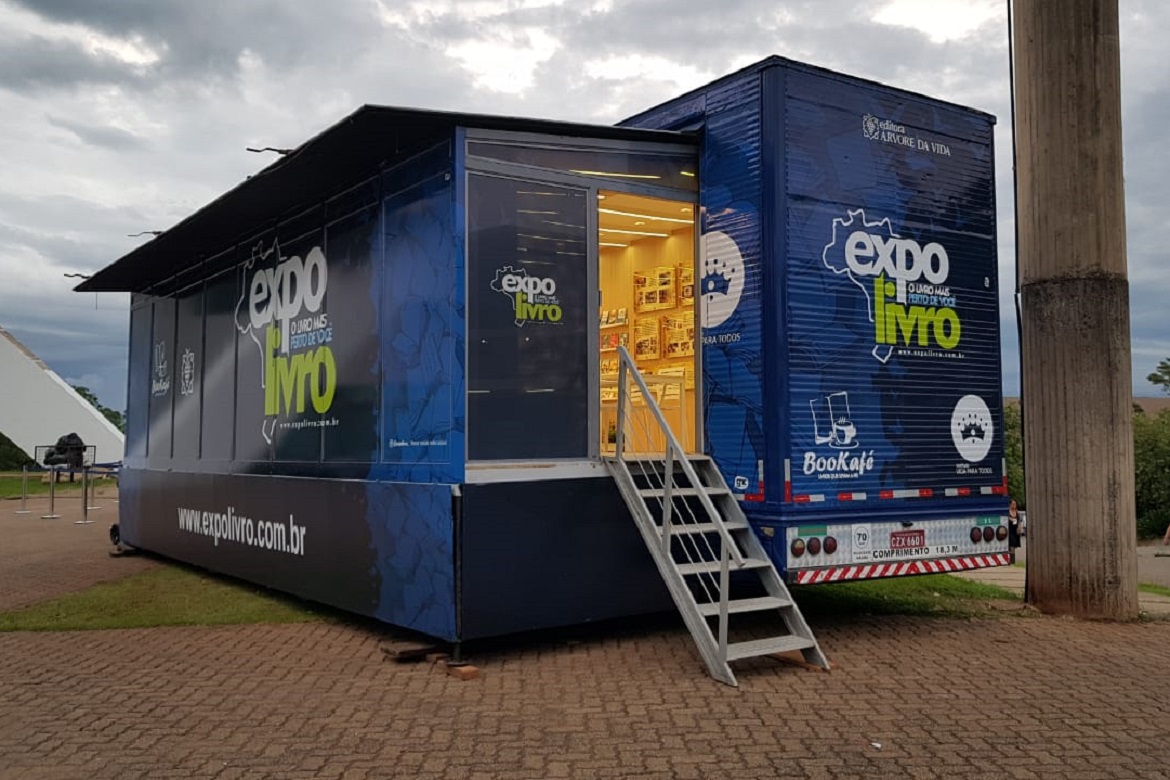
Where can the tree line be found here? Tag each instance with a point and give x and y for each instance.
(1151, 449)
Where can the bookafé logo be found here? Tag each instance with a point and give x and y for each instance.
(161, 383)
(833, 425)
(971, 428)
(722, 278)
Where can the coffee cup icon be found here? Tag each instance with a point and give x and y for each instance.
(833, 410)
(844, 433)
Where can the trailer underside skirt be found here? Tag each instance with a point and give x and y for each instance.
(873, 571)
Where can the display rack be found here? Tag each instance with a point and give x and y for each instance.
(686, 285)
(661, 339)
(678, 334)
(655, 290)
(647, 339)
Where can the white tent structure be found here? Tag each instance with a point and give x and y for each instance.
(37, 407)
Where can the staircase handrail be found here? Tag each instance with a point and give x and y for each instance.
(626, 365)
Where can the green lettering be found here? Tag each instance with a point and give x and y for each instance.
(947, 339)
(895, 323)
(325, 369)
(289, 373)
(905, 321)
(271, 346)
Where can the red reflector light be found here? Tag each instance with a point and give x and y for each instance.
(976, 535)
(814, 546)
(830, 545)
(988, 533)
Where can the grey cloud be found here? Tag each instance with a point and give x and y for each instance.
(34, 63)
(62, 251)
(72, 233)
(206, 39)
(113, 138)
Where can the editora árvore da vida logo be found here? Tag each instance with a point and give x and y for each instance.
(282, 309)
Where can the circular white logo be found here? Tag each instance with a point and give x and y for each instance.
(721, 281)
(971, 428)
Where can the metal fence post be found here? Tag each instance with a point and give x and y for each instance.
(24, 510)
(92, 486)
(85, 507)
(52, 495)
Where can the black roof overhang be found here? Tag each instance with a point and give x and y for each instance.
(341, 156)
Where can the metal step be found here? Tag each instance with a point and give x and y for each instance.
(660, 493)
(642, 478)
(739, 606)
(656, 458)
(707, 567)
(768, 646)
(703, 528)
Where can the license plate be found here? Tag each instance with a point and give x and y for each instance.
(907, 540)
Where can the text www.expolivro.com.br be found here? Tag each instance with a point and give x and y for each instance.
(231, 527)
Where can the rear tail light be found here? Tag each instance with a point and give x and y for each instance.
(830, 545)
(1001, 533)
(976, 535)
(814, 546)
(988, 533)
(797, 548)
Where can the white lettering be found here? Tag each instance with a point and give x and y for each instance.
(841, 464)
(901, 259)
(280, 294)
(533, 285)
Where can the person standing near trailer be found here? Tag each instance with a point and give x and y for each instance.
(1013, 528)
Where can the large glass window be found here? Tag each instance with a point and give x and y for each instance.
(528, 318)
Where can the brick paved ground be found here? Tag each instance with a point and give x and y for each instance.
(1018, 697)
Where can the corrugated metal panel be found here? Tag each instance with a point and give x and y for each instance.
(730, 274)
(892, 299)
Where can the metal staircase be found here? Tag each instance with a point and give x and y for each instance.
(699, 537)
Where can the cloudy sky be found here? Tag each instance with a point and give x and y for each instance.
(121, 116)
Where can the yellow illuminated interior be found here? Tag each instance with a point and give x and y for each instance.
(647, 257)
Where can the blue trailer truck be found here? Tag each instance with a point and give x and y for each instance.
(852, 377)
(383, 373)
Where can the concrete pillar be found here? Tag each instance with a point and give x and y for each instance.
(1077, 386)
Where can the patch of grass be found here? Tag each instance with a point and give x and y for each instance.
(167, 596)
(1156, 590)
(10, 485)
(934, 594)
